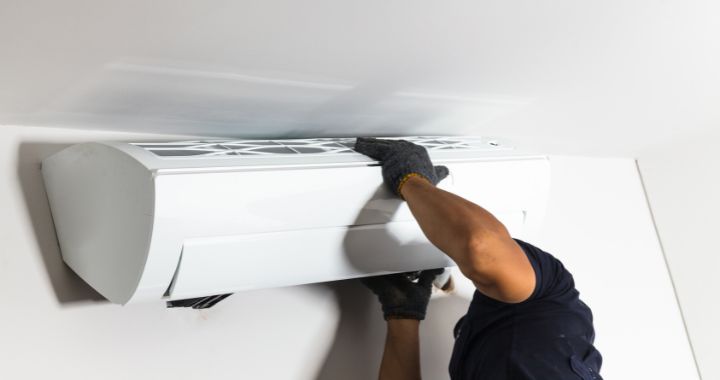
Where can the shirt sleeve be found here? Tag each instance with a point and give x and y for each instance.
(551, 277)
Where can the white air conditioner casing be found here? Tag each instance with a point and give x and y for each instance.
(169, 221)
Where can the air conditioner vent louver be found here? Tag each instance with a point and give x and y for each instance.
(317, 146)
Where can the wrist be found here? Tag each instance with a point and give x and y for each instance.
(411, 182)
(403, 325)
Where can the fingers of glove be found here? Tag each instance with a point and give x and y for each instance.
(375, 148)
(427, 276)
(441, 172)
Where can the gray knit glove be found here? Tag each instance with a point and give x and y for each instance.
(400, 159)
(403, 295)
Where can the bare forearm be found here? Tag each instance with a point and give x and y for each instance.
(401, 359)
(478, 243)
(449, 221)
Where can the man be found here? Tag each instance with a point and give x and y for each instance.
(525, 321)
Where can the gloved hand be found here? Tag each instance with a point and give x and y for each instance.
(403, 295)
(400, 160)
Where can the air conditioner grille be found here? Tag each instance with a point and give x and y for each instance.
(316, 146)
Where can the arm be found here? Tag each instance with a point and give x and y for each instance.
(479, 243)
(401, 359)
(404, 298)
(473, 238)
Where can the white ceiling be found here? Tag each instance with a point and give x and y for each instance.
(610, 77)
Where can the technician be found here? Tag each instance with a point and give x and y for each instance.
(526, 320)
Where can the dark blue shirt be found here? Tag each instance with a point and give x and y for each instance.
(547, 337)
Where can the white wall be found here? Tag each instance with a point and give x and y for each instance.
(682, 179)
(54, 326)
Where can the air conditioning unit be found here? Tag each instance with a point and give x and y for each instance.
(178, 220)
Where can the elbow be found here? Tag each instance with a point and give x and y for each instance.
(482, 255)
(499, 268)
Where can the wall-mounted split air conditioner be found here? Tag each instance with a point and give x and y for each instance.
(178, 220)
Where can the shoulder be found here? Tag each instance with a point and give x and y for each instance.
(551, 276)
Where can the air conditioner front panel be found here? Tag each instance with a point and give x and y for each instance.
(225, 203)
(194, 206)
(243, 202)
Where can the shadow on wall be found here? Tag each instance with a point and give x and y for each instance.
(68, 287)
(357, 349)
(356, 352)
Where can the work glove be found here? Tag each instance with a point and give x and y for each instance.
(403, 295)
(400, 160)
